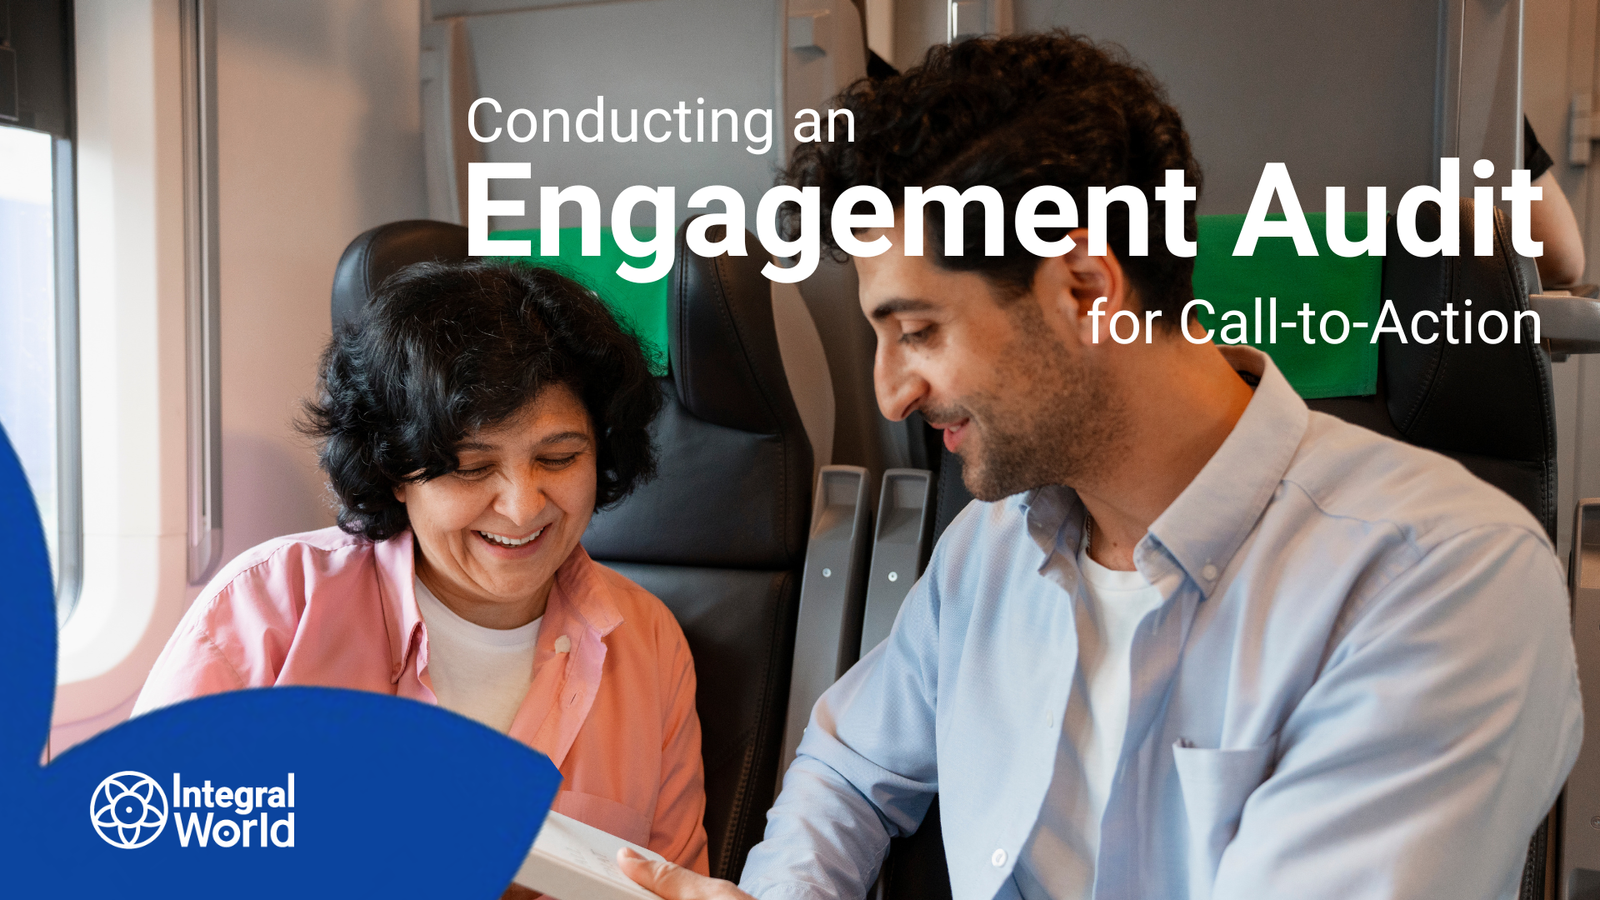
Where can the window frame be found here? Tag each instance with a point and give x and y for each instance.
(38, 38)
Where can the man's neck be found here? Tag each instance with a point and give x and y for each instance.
(1181, 402)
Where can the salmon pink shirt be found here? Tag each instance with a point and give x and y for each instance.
(614, 710)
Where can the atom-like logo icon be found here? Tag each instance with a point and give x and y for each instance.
(128, 810)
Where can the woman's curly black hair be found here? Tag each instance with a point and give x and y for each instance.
(1015, 113)
(448, 349)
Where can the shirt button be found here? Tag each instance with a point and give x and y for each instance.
(1209, 572)
(1049, 722)
(999, 858)
(563, 644)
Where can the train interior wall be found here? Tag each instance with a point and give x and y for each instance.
(321, 135)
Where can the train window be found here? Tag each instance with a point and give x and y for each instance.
(38, 291)
(28, 357)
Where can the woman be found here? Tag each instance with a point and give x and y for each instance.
(470, 427)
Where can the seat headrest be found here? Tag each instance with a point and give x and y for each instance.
(734, 488)
(1465, 397)
(382, 251)
(724, 302)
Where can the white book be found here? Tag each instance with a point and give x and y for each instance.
(574, 861)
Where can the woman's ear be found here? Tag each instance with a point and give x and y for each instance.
(400, 492)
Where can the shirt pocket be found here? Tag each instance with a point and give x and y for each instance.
(1216, 784)
(607, 815)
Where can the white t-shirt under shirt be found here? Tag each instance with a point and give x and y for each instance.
(481, 673)
(1058, 861)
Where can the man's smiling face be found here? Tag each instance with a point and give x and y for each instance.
(1006, 378)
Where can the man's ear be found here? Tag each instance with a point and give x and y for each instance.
(1075, 280)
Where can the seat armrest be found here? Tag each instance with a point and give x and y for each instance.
(1568, 324)
(828, 634)
(899, 549)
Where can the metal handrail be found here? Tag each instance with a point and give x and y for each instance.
(202, 262)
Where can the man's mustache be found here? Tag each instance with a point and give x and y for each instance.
(944, 415)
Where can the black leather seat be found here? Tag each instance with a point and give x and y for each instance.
(720, 534)
(1488, 406)
(382, 251)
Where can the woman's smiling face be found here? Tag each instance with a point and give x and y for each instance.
(491, 534)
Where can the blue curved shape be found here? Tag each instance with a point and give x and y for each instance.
(28, 635)
(390, 798)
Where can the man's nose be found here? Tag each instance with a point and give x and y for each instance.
(899, 390)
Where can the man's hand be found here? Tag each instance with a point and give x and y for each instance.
(674, 882)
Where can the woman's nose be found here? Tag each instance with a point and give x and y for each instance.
(522, 497)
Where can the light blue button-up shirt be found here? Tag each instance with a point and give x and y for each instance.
(1360, 684)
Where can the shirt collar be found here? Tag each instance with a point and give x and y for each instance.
(1209, 520)
(577, 594)
(401, 615)
(1048, 509)
(584, 595)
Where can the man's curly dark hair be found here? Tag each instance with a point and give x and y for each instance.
(1015, 113)
(448, 349)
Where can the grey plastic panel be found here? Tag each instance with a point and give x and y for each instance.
(1584, 885)
(899, 549)
(861, 435)
(448, 88)
(446, 8)
(1569, 324)
(825, 52)
(638, 56)
(1580, 832)
(805, 364)
(828, 635)
(1255, 81)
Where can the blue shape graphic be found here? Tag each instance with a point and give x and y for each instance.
(390, 798)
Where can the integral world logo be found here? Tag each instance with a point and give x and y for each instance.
(128, 810)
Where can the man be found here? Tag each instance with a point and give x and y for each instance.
(1196, 641)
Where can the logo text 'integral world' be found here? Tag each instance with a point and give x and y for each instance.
(129, 810)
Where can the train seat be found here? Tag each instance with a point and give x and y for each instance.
(720, 534)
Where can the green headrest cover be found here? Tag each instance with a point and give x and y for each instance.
(1328, 282)
(642, 308)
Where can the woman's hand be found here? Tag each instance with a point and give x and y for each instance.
(674, 882)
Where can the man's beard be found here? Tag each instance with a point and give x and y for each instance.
(1062, 422)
